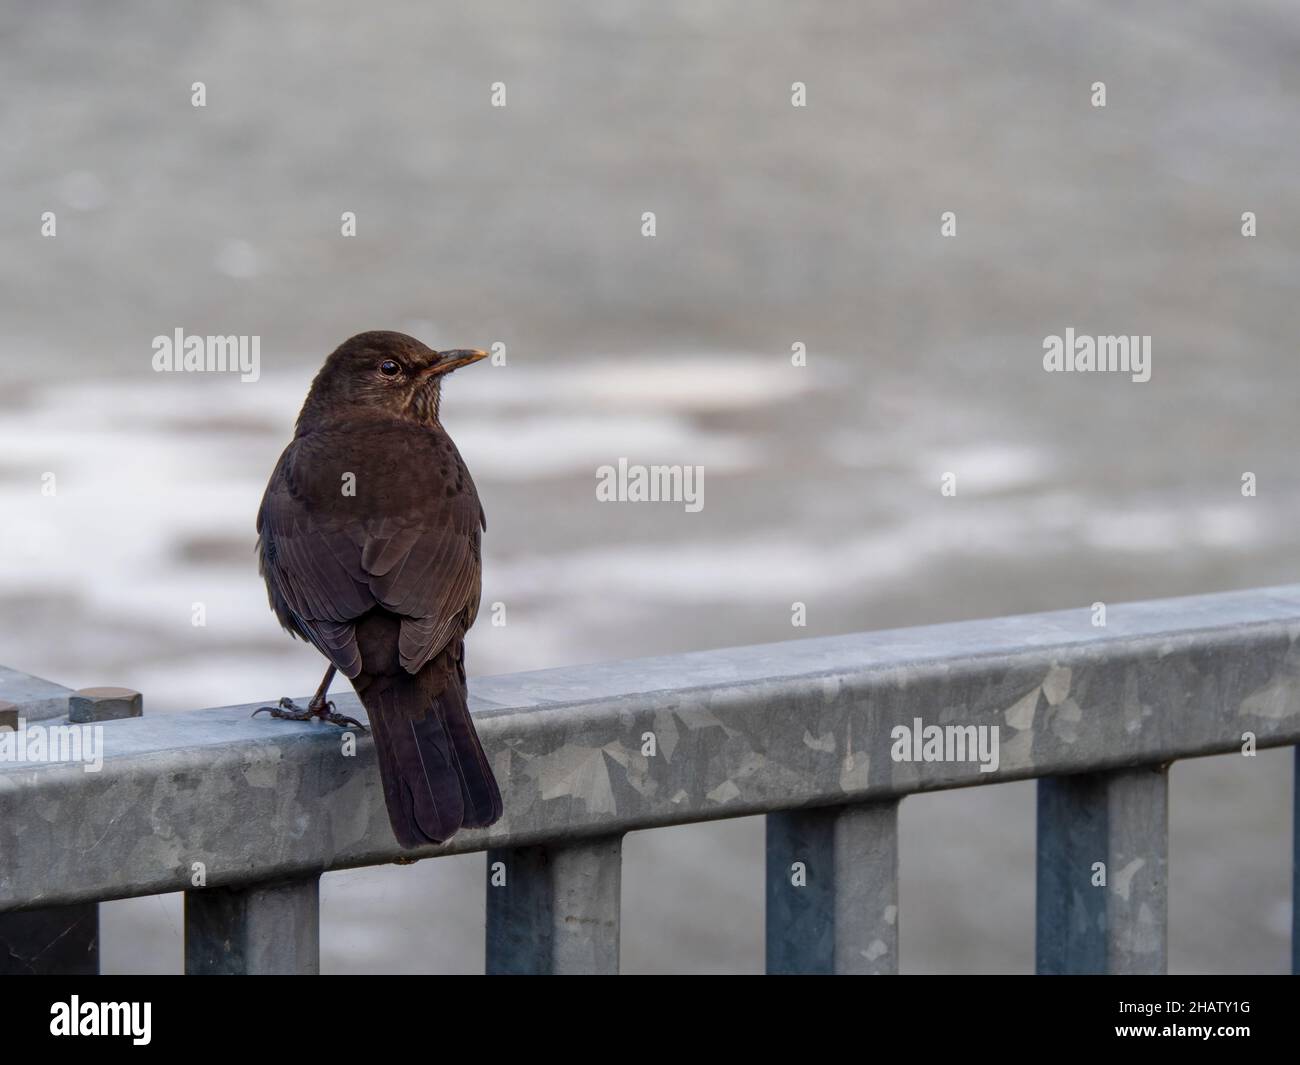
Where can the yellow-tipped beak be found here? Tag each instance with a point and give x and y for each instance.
(453, 360)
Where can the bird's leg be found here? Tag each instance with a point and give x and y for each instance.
(324, 709)
(319, 707)
(318, 702)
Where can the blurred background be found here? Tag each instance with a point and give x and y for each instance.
(775, 225)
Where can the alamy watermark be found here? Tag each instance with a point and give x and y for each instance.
(920, 742)
(179, 353)
(634, 483)
(1082, 354)
(74, 1017)
(54, 743)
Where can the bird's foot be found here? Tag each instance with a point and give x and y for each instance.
(287, 710)
(326, 712)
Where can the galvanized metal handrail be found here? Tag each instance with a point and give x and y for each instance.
(807, 732)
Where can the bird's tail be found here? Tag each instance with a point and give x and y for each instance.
(436, 777)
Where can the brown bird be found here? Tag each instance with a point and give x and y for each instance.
(368, 539)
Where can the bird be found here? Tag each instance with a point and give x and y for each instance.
(369, 540)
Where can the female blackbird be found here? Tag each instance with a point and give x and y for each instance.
(368, 539)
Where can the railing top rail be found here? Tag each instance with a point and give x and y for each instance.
(39, 699)
(602, 749)
(914, 647)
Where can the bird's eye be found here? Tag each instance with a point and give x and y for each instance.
(389, 368)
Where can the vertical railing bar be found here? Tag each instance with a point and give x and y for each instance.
(832, 889)
(1295, 867)
(555, 909)
(268, 929)
(62, 940)
(1102, 872)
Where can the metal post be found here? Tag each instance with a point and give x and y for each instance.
(270, 929)
(1295, 869)
(62, 940)
(832, 890)
(555, 909)
(1102, 879)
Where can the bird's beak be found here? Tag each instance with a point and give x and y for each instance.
(453, 360)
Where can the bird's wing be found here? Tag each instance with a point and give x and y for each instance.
(429, 575)
(407, 541)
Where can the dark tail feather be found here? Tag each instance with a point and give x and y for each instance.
(416, 761)
(436, 777)
(478, 787)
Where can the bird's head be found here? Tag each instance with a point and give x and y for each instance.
(383, 372)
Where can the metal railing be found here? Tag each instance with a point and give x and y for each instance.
(816, 734)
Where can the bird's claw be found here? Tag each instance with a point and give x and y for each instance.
(287, 710)
(339, 719)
